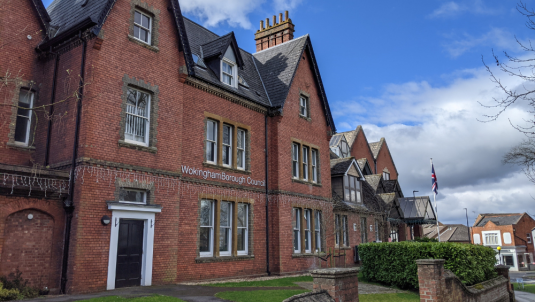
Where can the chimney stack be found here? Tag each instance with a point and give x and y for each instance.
(279, 33)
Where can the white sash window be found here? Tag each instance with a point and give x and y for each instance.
(137, 117)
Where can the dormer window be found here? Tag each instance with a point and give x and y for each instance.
(142, 27)
(228, 73)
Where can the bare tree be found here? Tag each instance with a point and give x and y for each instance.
(523, 155)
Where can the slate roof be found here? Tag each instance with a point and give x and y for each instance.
(461, 234)
(499, 219)
(371, 200)
(376, 147)
(340, 165)
(40, 9)
(448, 232)
(277, 66)
(67, 13)
(198, 37)
(390, 185)
(362, 163)
(216, 47)
(417, 208)
(374, 180)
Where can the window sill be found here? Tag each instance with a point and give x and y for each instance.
(137, 147)
(307, 255)
(210, 165)
(147, 46)
(223, 258)
(20, 146)
(305, 182)
(305, 118)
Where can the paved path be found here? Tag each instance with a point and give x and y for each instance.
(190, 293)
(364, 288)
(524, 297)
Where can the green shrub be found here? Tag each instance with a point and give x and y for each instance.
(9, 294)
(425, 239)
(394, 263)
(14, 281)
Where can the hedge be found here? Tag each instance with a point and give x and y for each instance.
(394, 263)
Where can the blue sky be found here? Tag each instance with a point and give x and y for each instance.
(410, 72)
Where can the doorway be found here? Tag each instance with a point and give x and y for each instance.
(129, 253)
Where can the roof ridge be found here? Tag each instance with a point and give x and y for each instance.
(289, 41)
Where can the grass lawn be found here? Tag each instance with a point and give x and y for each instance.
(260, 295)
(400, 297)
(530, 288)
(155, 298)
(282, 282)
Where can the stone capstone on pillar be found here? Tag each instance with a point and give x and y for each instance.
(431, 279)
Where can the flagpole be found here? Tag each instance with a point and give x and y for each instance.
(436, 207)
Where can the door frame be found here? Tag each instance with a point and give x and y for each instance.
(132, 212)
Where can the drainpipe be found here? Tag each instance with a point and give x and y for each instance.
(69, 204)
(267, 197)
(51, 111)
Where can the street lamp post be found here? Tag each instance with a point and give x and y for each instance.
(499, 254)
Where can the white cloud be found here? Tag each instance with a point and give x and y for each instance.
(495, 37)
(286, 4)
(214, 12)
(452, 9)
(420, 121)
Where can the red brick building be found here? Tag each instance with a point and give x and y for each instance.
(512, 232)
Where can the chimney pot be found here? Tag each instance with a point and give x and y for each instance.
(261, 24)
(274, 20)
(286, 15)
(274, 34)
(267, 22)
(280, 17)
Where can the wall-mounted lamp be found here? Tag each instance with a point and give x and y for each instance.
(105, 220)
(30, 216)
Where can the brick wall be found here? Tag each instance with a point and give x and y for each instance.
(360, 149)
(437, 284)
(384, 160)
(33, 246)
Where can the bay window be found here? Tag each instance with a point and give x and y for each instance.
(352, 189)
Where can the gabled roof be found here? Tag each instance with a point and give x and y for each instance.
(375, 180)
(218, 47)
(335, 139)
(392, 186)
(351, 136)
(364, 165)
(376, 148)
(371, 200)
(499, 219)
(340, 166)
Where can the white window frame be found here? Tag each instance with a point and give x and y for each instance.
(232, 76)
(246, 227)
(308, 230)
(317, 230)
(337, 229)
(242, 149)
(149, 30)
(295, 160)
(305, 162)
(228, 252)
(491, 232)
(296, 228)
(507, 238)
(29, 118)
(134, 190)
(229, 145)
(212, 142)
(386, 176)
(314, 163)
(136, 115)
(212, 239)
(477, 239)
(303, 105)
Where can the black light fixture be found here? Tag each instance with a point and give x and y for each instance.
(105, 220)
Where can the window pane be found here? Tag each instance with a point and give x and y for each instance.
(143, 35)
(137, 18)
(317, 222)
(352, 182)
(241, 139)
(296, 240)
(210, 151)
(226, 135)
(240, 159)
(224, 217)
(146, 21)
(131, 196)
(241, 239)
(241, 215)
(206, 213)
(346, 195)
(21, 129)
(204, 240)
(224, 239)
(346, 181)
